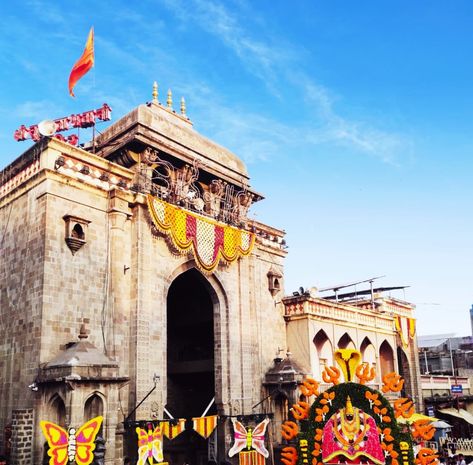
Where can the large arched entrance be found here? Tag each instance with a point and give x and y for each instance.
(190, 361)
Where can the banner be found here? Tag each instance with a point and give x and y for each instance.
(171, 431)
(406, 328)
(205, 425)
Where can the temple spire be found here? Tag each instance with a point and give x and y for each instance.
(169, 99)
(183, 106)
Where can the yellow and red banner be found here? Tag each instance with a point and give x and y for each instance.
(406, 328)
(208, 240)
(84, 63)
(205, 425)
(171, 429)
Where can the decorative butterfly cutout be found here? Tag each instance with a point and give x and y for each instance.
(150, 445)
(249, 438)
(72, 445)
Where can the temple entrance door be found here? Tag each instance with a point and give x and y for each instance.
(190, 362)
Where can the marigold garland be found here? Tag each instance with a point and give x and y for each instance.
(208, 240)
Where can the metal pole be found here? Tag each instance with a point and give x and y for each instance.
(372, 295)
(208, 407)
(451, 357)
(144, 398)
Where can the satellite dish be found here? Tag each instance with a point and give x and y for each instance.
(313, 291)
(47, 127)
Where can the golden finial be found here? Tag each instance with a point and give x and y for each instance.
(183, 107)
(169, 100)
(155, 91)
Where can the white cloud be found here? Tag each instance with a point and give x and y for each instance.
(274, 63)
(35, 111)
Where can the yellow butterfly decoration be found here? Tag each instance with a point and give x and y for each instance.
(74, 445)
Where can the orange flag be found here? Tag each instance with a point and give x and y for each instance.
(84, 63)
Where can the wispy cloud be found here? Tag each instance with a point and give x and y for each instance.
(270, 58)
(35, 111)
(48, 12)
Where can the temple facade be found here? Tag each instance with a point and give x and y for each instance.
(134, 286)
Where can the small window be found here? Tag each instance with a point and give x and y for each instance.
(76, 232)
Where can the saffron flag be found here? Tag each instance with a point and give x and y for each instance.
(84, 63)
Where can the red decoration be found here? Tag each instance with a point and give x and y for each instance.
(80, 120)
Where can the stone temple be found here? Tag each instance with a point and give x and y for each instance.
(134, 286)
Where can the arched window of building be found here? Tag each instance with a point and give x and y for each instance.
(324, 353)
(93, 407)
(57, 411)
(386, 358)
(346, 342)
(281, 412)
(368, 352)
(405, 371)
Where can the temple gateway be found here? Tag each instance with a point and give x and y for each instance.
(135, 289)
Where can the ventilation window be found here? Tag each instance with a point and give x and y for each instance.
(76, 232)
(274, 281)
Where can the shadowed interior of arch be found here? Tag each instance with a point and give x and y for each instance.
(190, 360)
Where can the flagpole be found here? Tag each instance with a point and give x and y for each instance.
(94, 94)
(208, 407)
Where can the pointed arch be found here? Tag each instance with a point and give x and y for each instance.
(386, 358)
(346, 342)
(94, 406)
(324, 353)
(281, 411)
(368, 351)
(196, 319)
(405, 371)
(212, 282)
(57, 410)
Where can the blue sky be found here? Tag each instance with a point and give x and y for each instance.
(355, 119)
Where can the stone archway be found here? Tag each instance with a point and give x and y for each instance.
(191, 378)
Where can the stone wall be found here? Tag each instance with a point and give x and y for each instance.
(22, 437)
(21, 278)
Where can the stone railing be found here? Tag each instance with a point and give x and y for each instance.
(338, 312)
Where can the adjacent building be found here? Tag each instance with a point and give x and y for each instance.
(446, 364)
